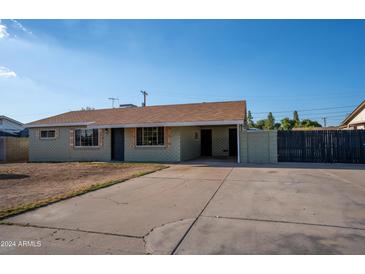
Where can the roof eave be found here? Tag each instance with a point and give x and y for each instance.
(171, 124)
(11, 120)
(351, 116)
(162, 124)
(58, 125)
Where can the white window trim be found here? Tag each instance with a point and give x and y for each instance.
(151, 146)
(85, 147)
(48, 138)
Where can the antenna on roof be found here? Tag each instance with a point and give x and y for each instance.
(113, 100)
(144, 97)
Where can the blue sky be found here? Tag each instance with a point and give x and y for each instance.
(52, 66)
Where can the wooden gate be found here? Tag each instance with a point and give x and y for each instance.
(324, 146)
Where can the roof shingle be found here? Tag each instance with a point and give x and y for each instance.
(182, 113)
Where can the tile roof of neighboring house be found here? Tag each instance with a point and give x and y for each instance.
(353, 114)
(169, 115)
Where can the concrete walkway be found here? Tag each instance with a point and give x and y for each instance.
(206, 208)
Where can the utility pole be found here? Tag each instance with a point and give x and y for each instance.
(324, 121)
(113, 100)
(144, 97)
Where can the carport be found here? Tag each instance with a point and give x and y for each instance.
(221, 142)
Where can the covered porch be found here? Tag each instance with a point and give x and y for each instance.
(176, 143)
(220, 142)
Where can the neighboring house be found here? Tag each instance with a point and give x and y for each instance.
(356, 119)
(12, 147)
(167, 133)
(10, 127)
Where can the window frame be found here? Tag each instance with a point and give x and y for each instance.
(47, 130)
(83, 146)
(142, 137)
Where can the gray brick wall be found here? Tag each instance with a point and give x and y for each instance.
(60, 149)
(190, 147)
(220, 140)
(168, 153)
(258, 146)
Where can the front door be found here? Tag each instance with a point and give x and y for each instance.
(206, 142)
(118, 144)
(233, 142)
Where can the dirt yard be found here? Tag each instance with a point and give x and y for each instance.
(23, 184)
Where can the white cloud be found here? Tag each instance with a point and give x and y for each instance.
(21, 27)
(3, 31)
(10, 30)
(6, 73)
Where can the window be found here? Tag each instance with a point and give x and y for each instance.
(86, 138)
(48, 134)
(150, 136)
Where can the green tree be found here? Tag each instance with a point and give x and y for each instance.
(296, 119)
(277, 126)
(250, 122)
(270, 121)
(260, 124)
(287, 124)
(307, 123)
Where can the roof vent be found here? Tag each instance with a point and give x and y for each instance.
(127, 106)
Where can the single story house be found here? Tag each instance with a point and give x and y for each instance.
(356, 119)
(166, 133)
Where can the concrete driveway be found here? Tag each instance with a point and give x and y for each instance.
(205, 208)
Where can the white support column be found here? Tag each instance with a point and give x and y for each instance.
(238, 144)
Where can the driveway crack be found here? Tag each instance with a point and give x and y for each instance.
(196, 219)
(73, 230)
(282, 222)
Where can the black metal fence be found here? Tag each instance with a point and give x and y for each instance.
(323, 146)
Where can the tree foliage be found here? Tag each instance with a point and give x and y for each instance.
(260, 124)
(270, 121)
(250, 122)
(307, 123)
(285, 124)
(296, 119)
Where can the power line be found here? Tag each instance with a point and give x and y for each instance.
(304, 110)
(249, 97)
(312, 113)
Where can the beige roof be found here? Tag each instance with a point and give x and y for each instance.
(184, 114)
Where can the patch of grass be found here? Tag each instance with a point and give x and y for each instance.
(5, 213)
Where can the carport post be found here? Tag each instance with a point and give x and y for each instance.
(238, 144)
